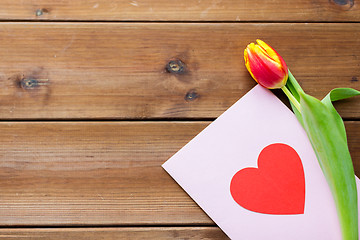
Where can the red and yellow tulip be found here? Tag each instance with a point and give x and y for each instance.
(323, 125)
(265, 65)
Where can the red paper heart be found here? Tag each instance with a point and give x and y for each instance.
(277, 186)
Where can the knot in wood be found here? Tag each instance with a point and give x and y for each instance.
(176, 66)
(39, 12)
(30, 83)
(344, 3)
(191, 95)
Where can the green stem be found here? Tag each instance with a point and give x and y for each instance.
(291, 98)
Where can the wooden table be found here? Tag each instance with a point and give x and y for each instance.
(95, 95)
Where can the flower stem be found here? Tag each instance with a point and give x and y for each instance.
(291, 98)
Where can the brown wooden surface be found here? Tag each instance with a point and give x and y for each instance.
(186, 10)
(118, 70)
(99, 173)
(113, 233)
(65, 65)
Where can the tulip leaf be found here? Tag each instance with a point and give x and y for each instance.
(321, 122)
(297, 114)
(294, 86)
(341, 93)
(334, 95)
(295, 90)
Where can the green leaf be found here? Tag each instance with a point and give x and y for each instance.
(326, 130)
(294, 86)
(297, 114)
(334, 95)
(295, 90)
(292, 89)
(341, 93)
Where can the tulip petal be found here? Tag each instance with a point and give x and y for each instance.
(265, 71)
(247, 61)
(272, 53)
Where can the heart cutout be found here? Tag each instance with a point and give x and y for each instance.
(277, 186)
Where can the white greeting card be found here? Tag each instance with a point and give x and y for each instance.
(254, 172)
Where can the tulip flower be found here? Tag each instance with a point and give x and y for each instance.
(323, 125)
(267, 67)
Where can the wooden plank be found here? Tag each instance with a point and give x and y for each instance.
(186, 10)
(99, 173)
(117, 71)
(112, 233)
(93, 173)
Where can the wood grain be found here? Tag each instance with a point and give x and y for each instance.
(161, 233)
(118, 71)
(186, 10)
(99, 173)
